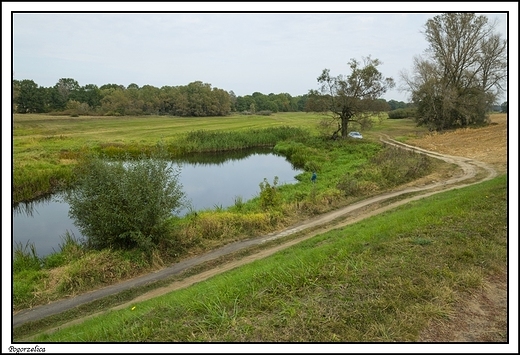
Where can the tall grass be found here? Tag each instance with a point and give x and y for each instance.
(389, 168)
(39, 179)
(212, 141)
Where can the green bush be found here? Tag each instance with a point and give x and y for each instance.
(399, 166)
(402, 113)
(389, 168)
(270, 198)
(125, 205)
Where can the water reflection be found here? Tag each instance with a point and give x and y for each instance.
(27, 209)
(217, 158)
(209, 181)
(43, 223)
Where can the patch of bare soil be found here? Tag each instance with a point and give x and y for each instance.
(480, 318)
(486, 144)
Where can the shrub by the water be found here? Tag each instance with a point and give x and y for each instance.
(125, 204)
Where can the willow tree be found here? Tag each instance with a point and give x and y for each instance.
(461, 74)
(351, 99)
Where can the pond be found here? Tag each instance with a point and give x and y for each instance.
(208, 181)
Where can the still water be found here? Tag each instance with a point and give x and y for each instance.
(208, 182)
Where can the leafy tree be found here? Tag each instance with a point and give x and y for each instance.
(30, 97)
(244, 103)
(394, 105)
(112, 86)
(65, 89)
(150, 96)
(351, 99)
(503, 107)
(16, 94)
(222, 103)
(463, 72)
(115, 102)
(90, 94)
(233, 99)
(125, 204)
(299, 102)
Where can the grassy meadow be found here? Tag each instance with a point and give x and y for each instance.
(289, 288)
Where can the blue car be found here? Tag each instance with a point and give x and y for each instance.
(355, 135)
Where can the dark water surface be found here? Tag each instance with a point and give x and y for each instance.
(208, 181)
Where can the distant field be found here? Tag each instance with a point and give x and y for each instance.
(43, 139)
(145, 128)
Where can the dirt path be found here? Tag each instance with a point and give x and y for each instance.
(493, 297)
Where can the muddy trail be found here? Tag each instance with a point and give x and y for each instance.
(471, 172)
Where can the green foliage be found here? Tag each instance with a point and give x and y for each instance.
(390, 167)
(94, 269)
(125, 204)
(353, 98)
(27, 274)
(402, 113)
(40, 178)
(394, 105)
(25, 258)
(71, 249)
(25, 283)
(215, 141)
(399, 166)
(463, 75)
(270, 198)
(258, 102)
(29, 97)
(503, 107)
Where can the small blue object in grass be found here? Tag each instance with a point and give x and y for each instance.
(314, 176)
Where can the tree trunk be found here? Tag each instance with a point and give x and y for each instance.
(344, 126)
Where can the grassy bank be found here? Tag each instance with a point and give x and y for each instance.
(380, 280)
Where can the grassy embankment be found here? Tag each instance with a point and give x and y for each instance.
(384, 279)
(45, 145)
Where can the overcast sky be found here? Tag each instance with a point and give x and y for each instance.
(269, 52)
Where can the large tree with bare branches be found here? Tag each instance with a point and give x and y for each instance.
(462, 73)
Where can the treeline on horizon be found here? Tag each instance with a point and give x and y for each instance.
(197, 99)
